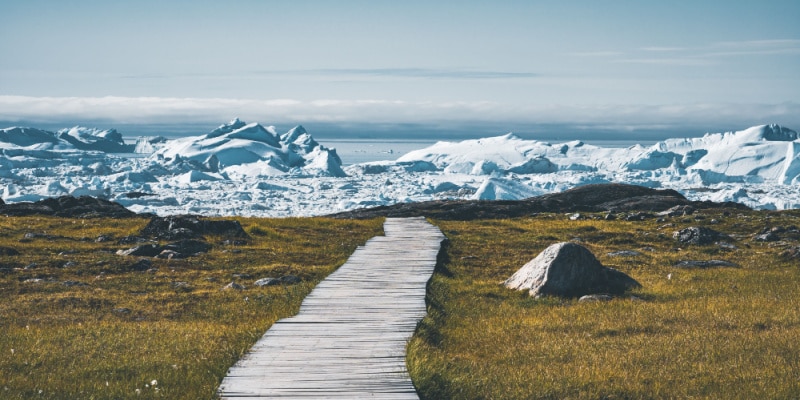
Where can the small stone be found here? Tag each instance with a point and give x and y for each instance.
(624, 253)
(146, 250)
(122, 310)
(290, 279)
(143, 264)
(169, 254)
(704, 264)
(233, 286)
(595, 298)
(575, 217)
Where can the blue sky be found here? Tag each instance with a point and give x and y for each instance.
(613, 64)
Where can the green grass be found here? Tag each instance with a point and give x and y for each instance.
(716, 333)
(121, 331)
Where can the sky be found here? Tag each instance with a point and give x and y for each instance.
(627, 66)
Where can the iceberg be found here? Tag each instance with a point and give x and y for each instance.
(248, 169)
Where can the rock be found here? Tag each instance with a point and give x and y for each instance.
(770, 236)
(233, 286)
(290, 279)
(570, 270)
(181, 286)
(143, 264)
(188, 247)
(639, 216)
(73, 283)
(145, 250)
(121, 310)
(704, 264)
(267, 282)
(8, 251)
(595, 297)
(624, 253)
(699, 235)
(612, 198)
(791, 253)
(190, 227)
(132, 239)
(169, 254)
(575, 217)
(284, 280)
(677, 211)
(69, 206)
(103, 238)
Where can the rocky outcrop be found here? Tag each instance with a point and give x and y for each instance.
(182, 227)
(699, 235)
(70, 207)
(611, 197)
(569, 270)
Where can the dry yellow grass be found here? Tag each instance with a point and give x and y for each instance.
(715, 333)
(144, 334)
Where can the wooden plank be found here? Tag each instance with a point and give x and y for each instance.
(349, 338)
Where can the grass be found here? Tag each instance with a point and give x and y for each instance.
(167, 333)
(172, 333)
(713, 333)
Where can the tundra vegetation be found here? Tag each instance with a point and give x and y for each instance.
(717, 332)
(77, 322)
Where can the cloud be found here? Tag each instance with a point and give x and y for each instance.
(140, 110)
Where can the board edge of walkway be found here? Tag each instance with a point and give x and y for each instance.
(349, 338)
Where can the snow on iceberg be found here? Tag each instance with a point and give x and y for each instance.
(245, 149)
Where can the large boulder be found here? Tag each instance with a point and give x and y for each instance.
(179, 227)
(568, 270)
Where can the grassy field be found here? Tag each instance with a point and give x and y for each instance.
(74, 324)
(725, 333)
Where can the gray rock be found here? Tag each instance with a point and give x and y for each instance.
(267, 282)
(188, 247)
(770, 236)
(677, 211)
(290, 279)
(624, 253)
(145, 250)
(570, 270)
(704, 264)
(595, 297)
(143, 264)
(233, 286)
(169, 254)
(699, 235)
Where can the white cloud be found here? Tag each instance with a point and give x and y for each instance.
(215, 110)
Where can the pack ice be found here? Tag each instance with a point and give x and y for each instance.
(251, 170)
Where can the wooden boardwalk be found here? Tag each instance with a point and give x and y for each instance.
(349, 338)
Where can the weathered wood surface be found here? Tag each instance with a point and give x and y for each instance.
(349, 338)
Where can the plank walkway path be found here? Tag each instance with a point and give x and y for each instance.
(349, 338)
